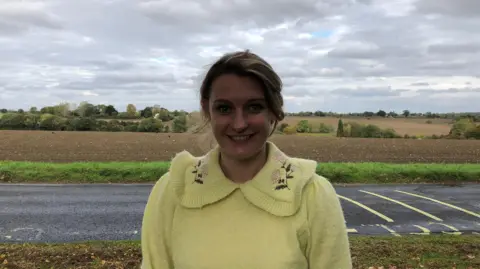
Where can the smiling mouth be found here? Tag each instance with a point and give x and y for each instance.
(240, 138)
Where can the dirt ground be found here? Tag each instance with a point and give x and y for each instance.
(49, 146)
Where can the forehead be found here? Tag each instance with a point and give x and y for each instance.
(236, 88)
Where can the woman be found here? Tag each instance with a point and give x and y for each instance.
(245, 204)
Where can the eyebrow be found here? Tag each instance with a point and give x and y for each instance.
(248, 101)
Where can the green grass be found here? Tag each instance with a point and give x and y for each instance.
(143, 172)
(436, 251)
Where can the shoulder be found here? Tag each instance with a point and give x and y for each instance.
(170, 184)
(321, 197)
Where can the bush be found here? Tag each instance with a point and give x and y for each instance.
(325, 128)
(51, 122)
(150, 125)
(461, 127)
(354, 129)
(473, 133)
(180, 124)
(12, 121)
(282, 126)
(83, 124)
(290, 130)
(303, 127)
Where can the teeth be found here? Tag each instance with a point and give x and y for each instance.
(240, 137)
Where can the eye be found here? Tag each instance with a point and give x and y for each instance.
(255, 108)
(223, 109)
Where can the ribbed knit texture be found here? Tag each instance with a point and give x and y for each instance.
(285, 217)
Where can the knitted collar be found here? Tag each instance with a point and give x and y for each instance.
(277, 187)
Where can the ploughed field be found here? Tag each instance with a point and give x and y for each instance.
(47, 146)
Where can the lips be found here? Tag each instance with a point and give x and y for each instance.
(240, 138)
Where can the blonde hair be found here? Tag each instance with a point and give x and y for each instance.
(248, 64)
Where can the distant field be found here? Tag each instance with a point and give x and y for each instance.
(410, 126)
(48, 146)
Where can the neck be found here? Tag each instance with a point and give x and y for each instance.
(241, 171)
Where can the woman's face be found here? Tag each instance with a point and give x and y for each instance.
(240, 118)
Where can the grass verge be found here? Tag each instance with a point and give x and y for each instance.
(142, 172)
(436, 251)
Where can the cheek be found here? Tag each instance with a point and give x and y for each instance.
(260, 120)
(219, 122)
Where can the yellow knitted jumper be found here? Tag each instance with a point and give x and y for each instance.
(286, 217)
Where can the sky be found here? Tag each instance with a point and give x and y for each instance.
(332, 55)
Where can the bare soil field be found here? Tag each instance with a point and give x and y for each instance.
(410, 126)
(48, 146)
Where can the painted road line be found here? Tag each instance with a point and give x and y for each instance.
(390, 230)
(367, 208)
(455, 230)
(442, 203)
(405, 205)
(425, 231)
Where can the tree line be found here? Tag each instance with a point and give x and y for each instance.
(475, 116)
(463, 128)
(90, 117)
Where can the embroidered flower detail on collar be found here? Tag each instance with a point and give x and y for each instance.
(280, 176)
(200, 170)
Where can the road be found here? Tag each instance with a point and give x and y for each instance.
(67, 213)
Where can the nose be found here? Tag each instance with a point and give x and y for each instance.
(239, 121)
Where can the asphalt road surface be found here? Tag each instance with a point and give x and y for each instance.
(63, 213)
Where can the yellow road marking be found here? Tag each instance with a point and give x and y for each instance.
(442, 203)
(455, 230)
(367, 208)
(390, 230)
(425, 231)
(352, 230)
(405, 205)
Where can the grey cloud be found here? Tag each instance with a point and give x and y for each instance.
(127, 77)
(18, 16)
(450, 90)
(357, 50)
(444, 65)
(458, 48)
(367, 92)
(448, 7)
(263, 13)
(420, 84)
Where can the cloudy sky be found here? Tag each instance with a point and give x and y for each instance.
(333, 55)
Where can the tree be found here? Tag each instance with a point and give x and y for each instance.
(340, 128)
(382, 113)
(368, 114)
(131, 110)
(406, 113)
(33, 110)
(146, 112)
(392, 114)
(180, 124)
(110, 110)
(86, 109)
(62, 109)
